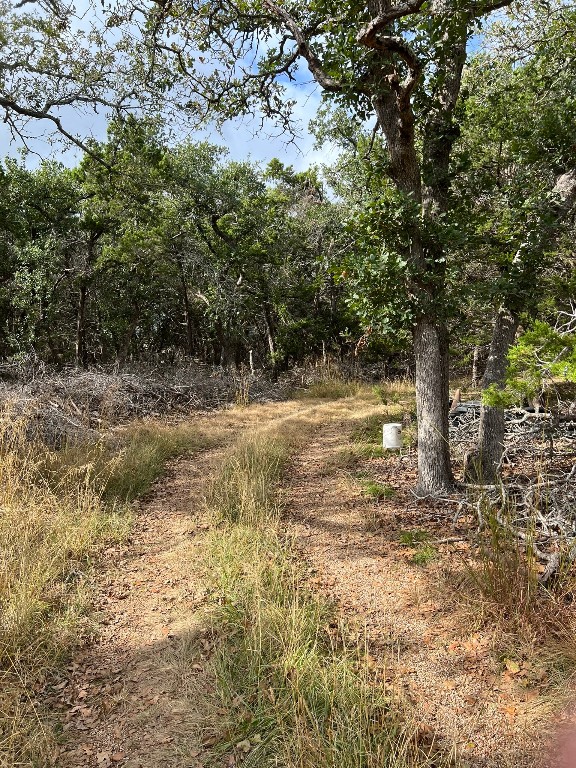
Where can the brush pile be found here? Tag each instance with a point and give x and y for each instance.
(536, 498)
(74, 405)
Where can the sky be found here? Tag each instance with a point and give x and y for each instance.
(244, 138)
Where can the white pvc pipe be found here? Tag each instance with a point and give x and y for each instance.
(392, 436)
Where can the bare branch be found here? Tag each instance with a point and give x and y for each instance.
(11, 106)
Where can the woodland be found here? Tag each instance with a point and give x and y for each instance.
(198, 348)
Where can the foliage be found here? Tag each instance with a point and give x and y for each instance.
(541, 357)
(167, 251)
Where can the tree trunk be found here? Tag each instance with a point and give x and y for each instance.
(127, 340)
(475, 356)
(482, 465)
(187, 310)
(81, 350)
(432, 404)
(271, 342)
(423, 175)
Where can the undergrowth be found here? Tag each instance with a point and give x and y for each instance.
(57, 509)
(331, 389)
(47, 539)
(125, 464)
(500, 588)
(291, 691)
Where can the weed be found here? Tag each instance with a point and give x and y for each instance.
(424, 555)
(413, 538)
(377, 491)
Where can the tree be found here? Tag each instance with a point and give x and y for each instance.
(516, 185)
(56, 63)
(400, 64)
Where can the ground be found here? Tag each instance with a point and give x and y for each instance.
(131, 697)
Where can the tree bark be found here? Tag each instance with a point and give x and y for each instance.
(475, 356)
(431, 352)
(482, 465)
(81, 350)
(270, 339)
(127, 339)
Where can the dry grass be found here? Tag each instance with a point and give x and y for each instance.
(47, 537)
(331, 389)
(57, 509)
(126, 463)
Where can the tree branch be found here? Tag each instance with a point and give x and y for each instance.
(11, 106)
(314, 64)
(367, 35)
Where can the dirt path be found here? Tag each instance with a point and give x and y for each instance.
(128, 699)
(443, 665)
(125, 702)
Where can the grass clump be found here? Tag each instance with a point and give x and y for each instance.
(290, 691)
(47, 539)
(245, 489)
(293, 694)
(378, 491)
(413, 538)
(424, 555)
(125, 465)
(331, 389)
(419, 540)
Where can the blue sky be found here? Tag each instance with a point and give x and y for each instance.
(243, 138)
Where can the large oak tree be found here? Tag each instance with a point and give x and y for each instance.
(397, 63)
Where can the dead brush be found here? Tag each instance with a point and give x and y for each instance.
(506, 572)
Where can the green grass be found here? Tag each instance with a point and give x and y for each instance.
(424, 555)
(413, 538)
(378, 491)
(419, 540)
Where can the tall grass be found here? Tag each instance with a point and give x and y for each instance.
(291, 691)
(56, 509)
(245, 489)
(331, 389)
(125, 464)
(47, 537)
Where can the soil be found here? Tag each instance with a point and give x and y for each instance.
(128, 698)
(125, 700)
(441, 658)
